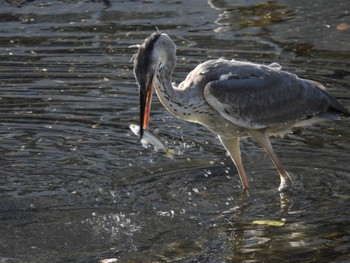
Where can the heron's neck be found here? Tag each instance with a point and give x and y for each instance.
(170, 96)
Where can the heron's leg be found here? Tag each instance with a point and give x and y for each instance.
(232, 146)
(264, 141)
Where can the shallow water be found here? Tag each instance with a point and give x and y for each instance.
(76, 185)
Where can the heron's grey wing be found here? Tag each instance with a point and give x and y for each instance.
(260, 102)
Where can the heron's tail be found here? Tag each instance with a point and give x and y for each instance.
(338, 108)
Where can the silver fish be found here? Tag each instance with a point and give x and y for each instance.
(150, 138)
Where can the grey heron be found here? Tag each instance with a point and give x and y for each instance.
(233, 99)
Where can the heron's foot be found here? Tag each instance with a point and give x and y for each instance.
(286, 185)
(245, 194)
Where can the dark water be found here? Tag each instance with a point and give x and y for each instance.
(76, 185)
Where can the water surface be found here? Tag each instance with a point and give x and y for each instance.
(76, 185)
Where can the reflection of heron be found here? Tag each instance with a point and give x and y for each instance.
(232, 98)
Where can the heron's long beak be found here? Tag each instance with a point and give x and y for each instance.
(145, 105)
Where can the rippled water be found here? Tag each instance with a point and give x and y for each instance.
(76, 185)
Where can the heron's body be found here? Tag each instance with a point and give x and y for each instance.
(232, 98)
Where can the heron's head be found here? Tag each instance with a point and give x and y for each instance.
(153, 51)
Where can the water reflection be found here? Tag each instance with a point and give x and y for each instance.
(20, 3)
(76, 185)
(255, 17)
